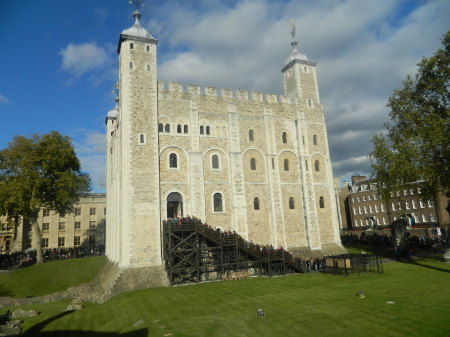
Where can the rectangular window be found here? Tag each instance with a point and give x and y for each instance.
(77, 241)
(371, 208)
(369, 197)
(399, 205)
(430, 203)
(382, 208)
(376, 209)
(354, 210)
(422, 204)
(353, 199)
(104, 211)
(92, 240)
(414, 204)
(45, 226)
(405, 192)
(424, 218)
(393, 206)
(407, 204)
(92, 211)
(61, 242)
(364, 198)
(432, 217)
(62, 226)
(375, 197)
(77, 225)
(359, 199)
(45, 243)
(77, 211)
(92, 225)
(46, 212)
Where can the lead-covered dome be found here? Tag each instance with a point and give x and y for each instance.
(295, 55)
(136, 29)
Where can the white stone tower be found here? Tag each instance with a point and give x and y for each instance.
(133, 240)
(300, 83)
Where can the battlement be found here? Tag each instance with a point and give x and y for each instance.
(225, 93)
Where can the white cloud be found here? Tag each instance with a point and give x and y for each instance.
(364, 50)
(85, 58)
(90, 146)
(4, 99)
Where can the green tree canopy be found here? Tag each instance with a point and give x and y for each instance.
(40, 171)
(416, 146)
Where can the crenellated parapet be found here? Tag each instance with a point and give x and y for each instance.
(193, 89)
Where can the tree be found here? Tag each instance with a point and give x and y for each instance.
(416, 146)
(39, 172)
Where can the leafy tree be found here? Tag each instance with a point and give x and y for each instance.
(416, 145)
(39, 172)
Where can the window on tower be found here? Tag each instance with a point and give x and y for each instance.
(253, 164)
(179, 128)
(250, 135)
(207, 130)
(186, 129)
(315, 139)
(131, 45)
(173, 160)
(167, 128)
(286, 164)
(317, 166)
(284, 137)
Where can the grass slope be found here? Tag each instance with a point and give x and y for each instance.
(50, 277)
(312, 304)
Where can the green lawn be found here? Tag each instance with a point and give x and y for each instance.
(312, 304)
(50, 277)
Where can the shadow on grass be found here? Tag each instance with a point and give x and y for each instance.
(417, 263)
(36, 330)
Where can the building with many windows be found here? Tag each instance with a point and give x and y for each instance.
(367, 209)
(253, 163)
(85, 227)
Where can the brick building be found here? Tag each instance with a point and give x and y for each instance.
(253, 163)
(367, 209)
(85, 227)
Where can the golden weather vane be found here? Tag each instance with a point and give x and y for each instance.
(136, 3)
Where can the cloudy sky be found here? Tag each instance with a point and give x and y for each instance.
(58, 61)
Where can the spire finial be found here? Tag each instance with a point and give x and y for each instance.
(293, 33)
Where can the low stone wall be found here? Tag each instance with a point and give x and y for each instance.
(326, 250)
(86, 291)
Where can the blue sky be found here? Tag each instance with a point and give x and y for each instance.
(58, 61)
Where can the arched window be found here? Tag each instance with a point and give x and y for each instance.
(186, 129)
(179, 128)
(291, 203)
(131, 45)
(218, 207)
(315, 139)
(207, 130)
(321, 202)
(250, 135)
(309, 103)
(173, 160)
(167, 128)
(284, 136)
(317, 166)
(256, 204)
(141, 139)
(160, 127)
(253, 164)
(202, 130)
(215, 161)
(286, 164)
